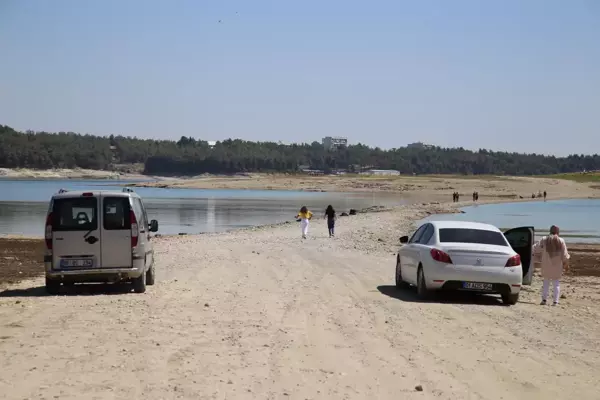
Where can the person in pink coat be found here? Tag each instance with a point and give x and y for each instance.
(552, 251)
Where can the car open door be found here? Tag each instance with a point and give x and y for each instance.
(521, 240)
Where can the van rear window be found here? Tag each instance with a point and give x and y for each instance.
(116, 213)
(75, 214)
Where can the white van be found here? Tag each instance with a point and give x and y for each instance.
(98, 236)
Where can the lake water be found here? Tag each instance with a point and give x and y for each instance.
(24, 204)
(579, 220)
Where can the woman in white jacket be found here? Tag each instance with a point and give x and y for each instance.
(554, 258)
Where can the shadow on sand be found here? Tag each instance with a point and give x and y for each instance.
(71, 290)
(409, 295)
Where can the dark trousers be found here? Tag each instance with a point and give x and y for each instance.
(331, 226)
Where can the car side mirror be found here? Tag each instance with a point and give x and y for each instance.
(154, 226)
(404, 239)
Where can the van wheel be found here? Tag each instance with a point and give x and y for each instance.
(150, 275)
(510, 299)
(139, 284)
(52, 286)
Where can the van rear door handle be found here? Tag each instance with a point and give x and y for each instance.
(91, 239)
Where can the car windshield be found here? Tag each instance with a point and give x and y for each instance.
(467, 235)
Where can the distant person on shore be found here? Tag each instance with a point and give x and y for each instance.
(545, 194)
(331, 218)
(554, 259)
(304, 216)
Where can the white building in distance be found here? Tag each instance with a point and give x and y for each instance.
(381, 172)
(419, 145)
(334, 143)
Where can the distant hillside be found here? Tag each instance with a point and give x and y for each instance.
(190, 156)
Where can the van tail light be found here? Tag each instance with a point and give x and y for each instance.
(514, 261)
(48, 231)
(440, 256)
(134, 229)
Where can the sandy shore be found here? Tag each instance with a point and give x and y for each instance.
(28, 173)
(417, 188)
(438, 187)
(260, 314)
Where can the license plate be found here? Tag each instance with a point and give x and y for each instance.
(477, 286)
(77, 263)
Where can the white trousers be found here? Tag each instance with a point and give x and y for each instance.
(304, 224)
(546, 289)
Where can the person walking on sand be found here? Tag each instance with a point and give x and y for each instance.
(331, 217)
(304, 215)
(554, 259)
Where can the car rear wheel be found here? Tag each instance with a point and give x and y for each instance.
(422, 291)
(400, 284)
(510, 299)
(52, 286)
(139, 284)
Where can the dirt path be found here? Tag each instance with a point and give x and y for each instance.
(262, 315)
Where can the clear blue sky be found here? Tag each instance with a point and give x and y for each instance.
(520, 75)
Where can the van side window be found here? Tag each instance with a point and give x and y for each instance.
(75, 214)
(146, 221)
(142, 213)
(116, 213)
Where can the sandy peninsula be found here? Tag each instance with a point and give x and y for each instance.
(418, 188)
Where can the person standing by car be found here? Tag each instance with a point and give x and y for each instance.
(331, 217)
(554, 259)
(304, 216)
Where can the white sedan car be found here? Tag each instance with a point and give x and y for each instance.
(457, 255)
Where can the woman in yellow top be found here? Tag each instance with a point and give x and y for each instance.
(304, 215)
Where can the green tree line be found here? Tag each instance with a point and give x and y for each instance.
(190, 156)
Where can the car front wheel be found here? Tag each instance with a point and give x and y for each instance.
(400, 284)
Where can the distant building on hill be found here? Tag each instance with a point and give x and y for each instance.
(419, 145)
(334, 143)
(211, 143)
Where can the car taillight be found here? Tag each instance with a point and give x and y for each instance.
(514, 261)
(134, 228)
(48, 232)
(439, 255)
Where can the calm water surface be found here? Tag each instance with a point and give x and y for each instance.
(579, 220)
(23, 205)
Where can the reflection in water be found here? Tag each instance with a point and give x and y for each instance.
(578, 219)
(209, 214)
